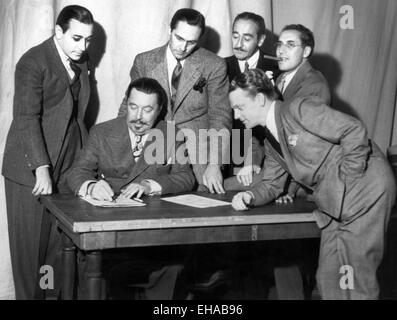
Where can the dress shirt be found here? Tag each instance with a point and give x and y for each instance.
(65, 59)
(252, 62)
(288, 76)
(271, 121)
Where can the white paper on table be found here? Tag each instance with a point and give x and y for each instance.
(193, 200)
(118, 203)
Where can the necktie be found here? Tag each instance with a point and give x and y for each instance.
(75, 85)
(176, 76)
(281, 84)
(246, 66)
(136, 151)
(76, 69)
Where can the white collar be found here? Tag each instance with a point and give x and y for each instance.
(65, 59)
(171, 60)
(132, 138)
(252, 61)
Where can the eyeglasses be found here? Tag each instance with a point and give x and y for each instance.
(289, 45)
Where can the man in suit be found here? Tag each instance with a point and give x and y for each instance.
(328, 152)
(131, 156)
(51, 96)
(248, 36)
(196, 84)
(298, 79)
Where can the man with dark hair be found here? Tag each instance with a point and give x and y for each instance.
(249, 34)
(299, 79)
(118, 161)
(196, 84)
(122, 142)
(329, 153)
(51, 95)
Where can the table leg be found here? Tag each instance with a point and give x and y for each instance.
(94, 277)
(68, 268)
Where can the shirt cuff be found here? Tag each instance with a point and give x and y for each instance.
(44, 166)
(252, 198)
(155, 187)
(84, 188)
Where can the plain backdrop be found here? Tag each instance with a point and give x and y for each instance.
(359, 63)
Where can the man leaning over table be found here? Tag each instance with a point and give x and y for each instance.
(118, 161)
(330, 153)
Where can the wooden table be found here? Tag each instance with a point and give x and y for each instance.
(92, 229)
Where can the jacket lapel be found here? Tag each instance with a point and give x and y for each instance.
(55, 61)
(287, 161)
(160, 73)
(290, 91)
(142, 165)
(190, 76)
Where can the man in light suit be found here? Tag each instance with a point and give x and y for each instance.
(51, 96)
(298, 78)
(119, 160)
(328, 152)
(196, 84)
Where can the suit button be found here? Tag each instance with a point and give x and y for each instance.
(125, 176)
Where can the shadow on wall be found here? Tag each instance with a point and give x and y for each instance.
(331, 69)
(96, 51)
(210, 40)
(268, 46)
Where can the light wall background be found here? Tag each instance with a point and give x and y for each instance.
(360, 64)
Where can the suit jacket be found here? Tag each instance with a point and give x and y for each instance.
(43, 106)
(323, 149)
(194, 109)
(108, 152)
(233, 69)
(306, 82)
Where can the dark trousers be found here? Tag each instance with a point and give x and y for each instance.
(25, 220)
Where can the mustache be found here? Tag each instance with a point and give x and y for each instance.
(137, 122)
(239, 49)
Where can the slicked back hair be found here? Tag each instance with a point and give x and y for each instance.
(254, 81)
(76, 12)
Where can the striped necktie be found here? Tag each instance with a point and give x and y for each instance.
(136, 151)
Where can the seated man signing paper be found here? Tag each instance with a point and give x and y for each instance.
(132, 155)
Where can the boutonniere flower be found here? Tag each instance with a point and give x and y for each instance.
(200, 84)
(269, 74)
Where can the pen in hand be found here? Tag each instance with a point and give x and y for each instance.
(114, 197)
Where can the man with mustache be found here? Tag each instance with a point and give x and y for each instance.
(118, 161)
(196, 84)
(249, 34)
(51, 96)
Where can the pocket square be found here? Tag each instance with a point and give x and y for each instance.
(200, 84)
(293, 139)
